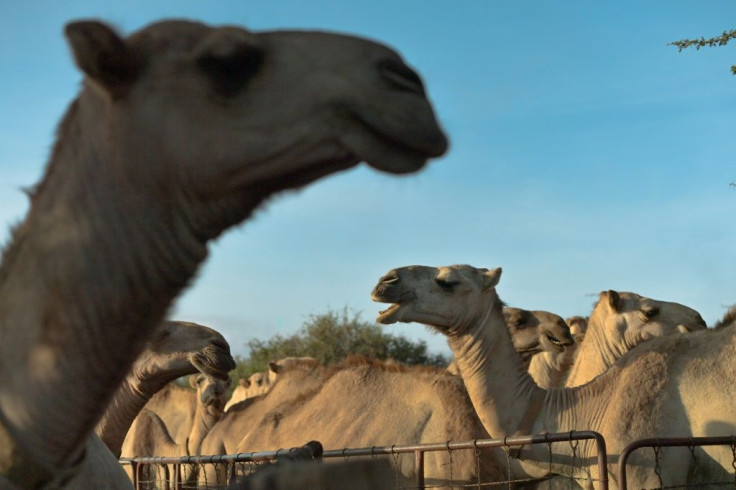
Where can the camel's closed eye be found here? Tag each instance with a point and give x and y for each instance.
(230, 72)
(446, 285)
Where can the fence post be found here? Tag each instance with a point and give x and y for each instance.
(419, 465)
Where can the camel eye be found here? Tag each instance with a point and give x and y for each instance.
(447, 286)
(230, 72)
(649, 312)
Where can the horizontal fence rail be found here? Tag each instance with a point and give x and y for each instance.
(418, 450)
(655, 443)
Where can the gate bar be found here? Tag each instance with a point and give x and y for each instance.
(667, 442)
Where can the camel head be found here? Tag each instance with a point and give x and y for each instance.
(629, 319)
(211, 392)
(450, 299)
(578, 326)
(181, 348)
(280, 366)
(228, 116)
(535, 331)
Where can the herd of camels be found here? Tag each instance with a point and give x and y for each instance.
(180, 131)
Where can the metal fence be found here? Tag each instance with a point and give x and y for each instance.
(657, 444)
(220, 471)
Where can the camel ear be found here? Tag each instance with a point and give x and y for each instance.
(273, 367)
(491, 278)
(614, 300)
(102, 55)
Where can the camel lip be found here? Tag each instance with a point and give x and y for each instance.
(389, 153)
(533, 347)
(561, 343)
(218, 369)
(385, 317)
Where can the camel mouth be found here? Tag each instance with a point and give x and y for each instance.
(532, 348)
(383, 150)
(389, 315)
(217, 367)
(550, 343)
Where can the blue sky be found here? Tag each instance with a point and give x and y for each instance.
(586, 155)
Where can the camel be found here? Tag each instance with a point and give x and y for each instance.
(254, 385)
(729, 318)
(357, 403)
(180, 131)
(304, 395)
(531, 330)
(619, 322)
(550, 369)
(578, 326)
(149, 435)
(175, 405)
(176, 349)
(260, 382)
(677, 385)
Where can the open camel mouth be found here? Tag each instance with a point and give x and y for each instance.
(552, 343)
(388, 316)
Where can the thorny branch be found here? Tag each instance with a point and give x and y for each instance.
(721, 40)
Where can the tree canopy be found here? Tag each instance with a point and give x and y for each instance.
(330, 337)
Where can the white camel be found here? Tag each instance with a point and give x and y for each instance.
(180, 131)
(678, 385)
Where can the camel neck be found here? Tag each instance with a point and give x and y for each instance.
(595, 355)
(201, 426)
(119, 415)
(499, 386)
(94, 266)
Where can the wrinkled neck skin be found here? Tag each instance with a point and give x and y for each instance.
(545, 372)
(500, 399)
(203, 421)
(596, 354)
(104, 250)
(137, 388)
(502, 391)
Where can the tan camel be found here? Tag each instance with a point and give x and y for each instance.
(189, 128)
(344, 406)
(619, 322)
(176, 349)
(359, 403)
(149, 435)
(260, 382)
(551, 369)
(175, 405)
(578, 326)
(533, 333)
(254, 385)
(678, 385)
(729, 318)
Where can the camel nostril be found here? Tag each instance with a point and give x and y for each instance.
(401, 76)
(221, 344)
(390, 278)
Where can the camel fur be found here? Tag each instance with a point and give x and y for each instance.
(677, 385)
(180, 131)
